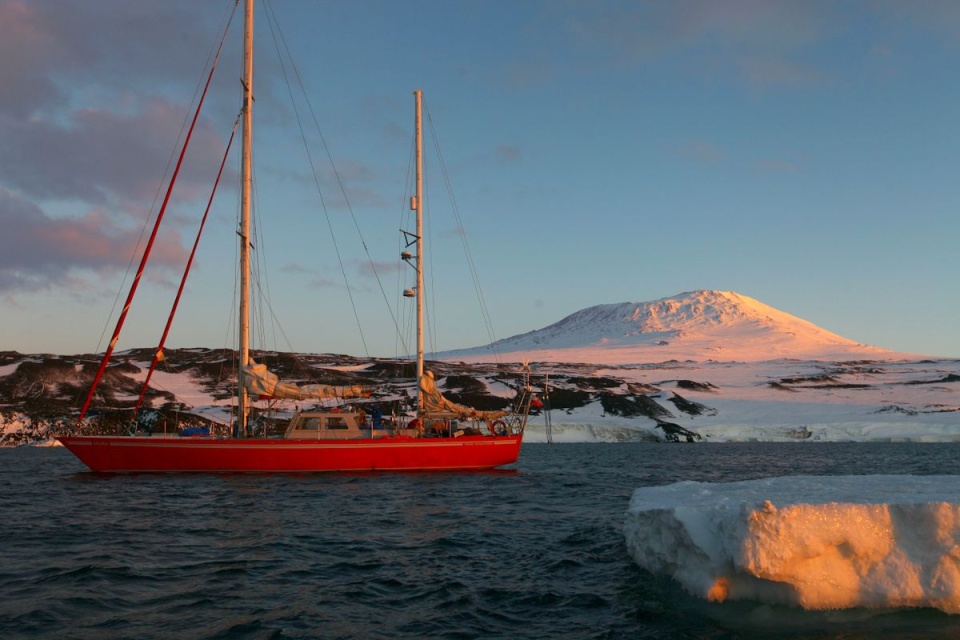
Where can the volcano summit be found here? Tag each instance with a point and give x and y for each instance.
(698, 325)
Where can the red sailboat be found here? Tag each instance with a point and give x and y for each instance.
(442, 435)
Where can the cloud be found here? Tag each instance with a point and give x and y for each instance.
(102, 158)
(46, 48)
(295, 267)
(529, 73)
(348, 175)
(764, 72)
(319, 283)
(701, 151)
(26, 50)
(778, 166)
(364, 268)
(375, 268)
(39, 252)
(759, 41)
(938, 17)
(87, 135)
(507, 154)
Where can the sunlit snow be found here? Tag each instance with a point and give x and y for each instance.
(696, 325)
(878, 401)
(814, 542)
(711, 366)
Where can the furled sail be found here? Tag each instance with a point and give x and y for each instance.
(434, 403)
(261, 382)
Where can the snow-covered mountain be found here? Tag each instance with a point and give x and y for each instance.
(704, 365)
(698, 325)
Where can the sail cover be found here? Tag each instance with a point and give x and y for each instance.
(434, 402)
(259, 381)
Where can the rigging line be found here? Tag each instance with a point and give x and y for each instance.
(260, 274)
(265, 305)
(224, 25)
(463, 237)
(232, 329)
(431, 309)
(150, 242)
(271, 21)
(279, 326)
(214, 51)
(461, 231)
(261, 281)
(256, 293)
(336, 172)
(402, 245)
(158, 354)
(309, 372)
(264, 299)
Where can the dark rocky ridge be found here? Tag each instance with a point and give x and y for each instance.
(49, 389)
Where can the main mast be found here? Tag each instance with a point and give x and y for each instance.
(245, 184)
(418, 204)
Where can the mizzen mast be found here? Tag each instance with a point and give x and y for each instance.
(416, 261)
(418, 206)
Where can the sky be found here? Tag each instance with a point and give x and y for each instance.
(800, 153)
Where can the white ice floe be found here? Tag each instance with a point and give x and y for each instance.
(816, 542)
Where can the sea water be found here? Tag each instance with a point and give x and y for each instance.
(535, 550)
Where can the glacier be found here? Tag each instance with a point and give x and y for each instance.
(815, 542)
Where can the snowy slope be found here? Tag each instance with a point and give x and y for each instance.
(775, 401)
(914, 400)
(707, 366)
(698, 325)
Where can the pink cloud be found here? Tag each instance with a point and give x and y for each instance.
(98, 167)
(58, 57)
(41, 252)
(27, 50)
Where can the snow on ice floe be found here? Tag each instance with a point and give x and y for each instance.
(832, 542)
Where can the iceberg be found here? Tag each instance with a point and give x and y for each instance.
(817, 542)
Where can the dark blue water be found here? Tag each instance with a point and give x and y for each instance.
(534, 551)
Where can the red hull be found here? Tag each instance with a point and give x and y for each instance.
(123, 454)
